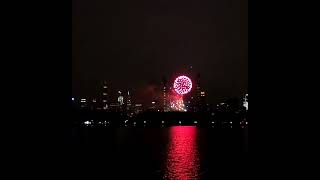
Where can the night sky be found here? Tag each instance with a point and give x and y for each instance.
(134, 43)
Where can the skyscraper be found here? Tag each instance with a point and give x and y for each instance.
(94, 104)
(203, 103)
(245, 101)
(83, 103)
(128, 104)
(199, 98)
(120, 99)
(165, 95)
(198, 94)
(104, 95)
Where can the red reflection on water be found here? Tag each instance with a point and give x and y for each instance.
(182, 161)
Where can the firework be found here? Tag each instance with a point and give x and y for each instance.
(182, 85)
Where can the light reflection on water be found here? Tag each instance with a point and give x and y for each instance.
(175, 153)
(182, 161)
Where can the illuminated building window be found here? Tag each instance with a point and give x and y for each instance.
(104, 94)
(104, 100)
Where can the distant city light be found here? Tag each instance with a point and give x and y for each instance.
(182, 85)
(245, 104)
(247, 123)
(72, 99)
(195, 122)
(144, 122)
(87, 122)
(230, 122)
(153, 102)
(120, 100)
(179, 122)
(162, 122)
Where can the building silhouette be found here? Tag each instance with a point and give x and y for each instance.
(83, 103)
(105, 104)
(94, 104)
(165, 107)
(200, 97)
(120, 101)
(138, 108)
(129, 105)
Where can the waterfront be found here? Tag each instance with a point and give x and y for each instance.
(176, 152)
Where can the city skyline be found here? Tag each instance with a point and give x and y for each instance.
(154, 91)
(183, 95)
(132, 45)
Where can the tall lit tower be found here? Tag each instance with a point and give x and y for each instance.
(128, 102)
(120, 101)
(165, 95)
(245, 101)
(198, 94)
(104, 95)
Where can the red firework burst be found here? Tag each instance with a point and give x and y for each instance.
(182, 85)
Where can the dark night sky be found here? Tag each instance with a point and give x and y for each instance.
(133, 43)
